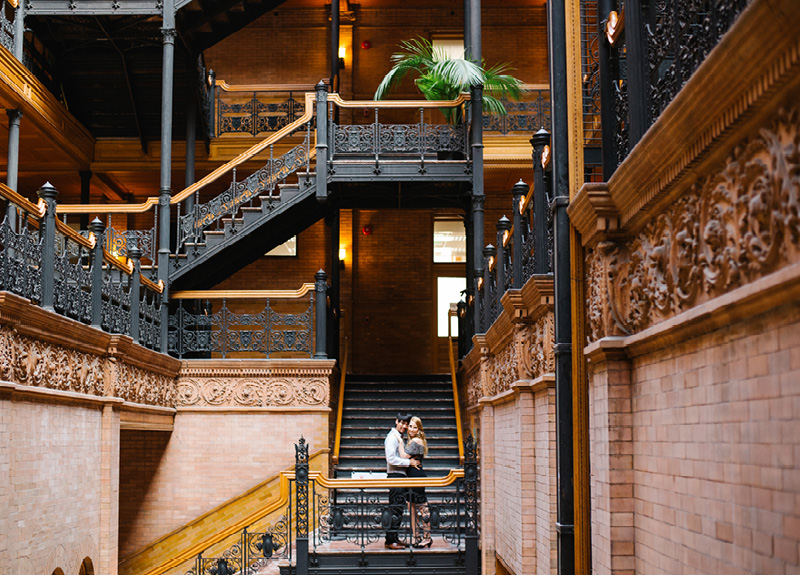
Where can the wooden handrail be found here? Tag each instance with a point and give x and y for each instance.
(336, 99)
(39, 210)
(213, 176)
(243, 294)
(150, 284)
(224, 86)
(451, 356)
(283, 497)
(338, 436)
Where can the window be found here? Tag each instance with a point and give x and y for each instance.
(287, 248)
(448, 290)
(451, 44)
(449, 241)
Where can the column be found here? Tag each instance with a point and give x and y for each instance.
(12, 175)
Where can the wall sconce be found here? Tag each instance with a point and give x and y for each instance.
(342, 54)
(342, 256)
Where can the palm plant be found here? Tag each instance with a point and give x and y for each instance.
(440, 77)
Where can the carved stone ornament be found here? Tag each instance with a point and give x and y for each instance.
(27, 361)
(141, 386)
(252, 392)
(537, 347)
(728, 230)
(503, 369)
(474, 388)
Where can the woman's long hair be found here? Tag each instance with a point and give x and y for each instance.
(420, 433)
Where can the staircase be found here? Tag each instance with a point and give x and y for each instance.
(371, 404)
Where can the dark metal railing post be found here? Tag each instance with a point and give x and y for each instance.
(489, 253)
(97, 228)
(135, 254)
(607, 61)
(540, 204)
(636, 54)
(503, 229)
(322, 142)
(471, 554)
(321, 293)
(49, 194)
(301, 500)
(518, 192)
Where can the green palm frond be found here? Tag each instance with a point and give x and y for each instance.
(440, 77)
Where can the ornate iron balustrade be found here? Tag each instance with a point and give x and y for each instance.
(256, 548)
(417, 139)
(246, 324)
(524, 245)
(649, 54)
(257, 109)
(528, 115)
(44, 260)
(262, 182)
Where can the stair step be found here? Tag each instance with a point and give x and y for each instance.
(214, 237)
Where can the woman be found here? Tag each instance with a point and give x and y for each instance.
(417, 447)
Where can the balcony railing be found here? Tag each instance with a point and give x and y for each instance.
(647, 52)
(60, 269)
(526, 116)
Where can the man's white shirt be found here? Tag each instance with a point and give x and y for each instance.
(392, 449)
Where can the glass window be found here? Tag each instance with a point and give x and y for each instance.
(449, 241)
(451, 44)
(287, 248)
(448, 290)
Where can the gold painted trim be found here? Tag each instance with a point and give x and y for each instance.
(336, 99)
(454, 378)
(224, 86)
(213, 176)
(340, 404)
(243, 294)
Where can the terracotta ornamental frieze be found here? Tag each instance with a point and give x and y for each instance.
(33, 362)
(265, 386)
(729, 229)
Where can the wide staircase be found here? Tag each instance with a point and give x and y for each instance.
(371, 404)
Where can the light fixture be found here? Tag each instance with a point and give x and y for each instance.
(342, 54)
(342, 256)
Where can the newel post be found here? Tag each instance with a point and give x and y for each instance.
(321, 294)
(98, 229)
(541, 258)
(135, 254)
(49, 194)
(301, 510)
(518, 193)
(471, 554)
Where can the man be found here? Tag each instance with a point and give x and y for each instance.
(397, 467)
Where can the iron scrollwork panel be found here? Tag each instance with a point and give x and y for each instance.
(21, 259)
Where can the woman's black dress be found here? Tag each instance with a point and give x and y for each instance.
(416, 494)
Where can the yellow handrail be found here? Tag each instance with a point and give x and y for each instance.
(38, 210)
(451, 356)
(338, 436)
(213, 176)
(283, 498)
(243, 294)
(336, 99)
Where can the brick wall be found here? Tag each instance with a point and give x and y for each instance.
(518, 488)
(694, 453)
(167, 480)
(51, 486)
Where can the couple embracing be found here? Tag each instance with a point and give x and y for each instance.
(405, 460)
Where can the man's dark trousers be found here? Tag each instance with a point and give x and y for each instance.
(397, 503)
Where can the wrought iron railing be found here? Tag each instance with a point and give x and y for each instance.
(651, 51)
(528, 115)
(49, 263)
(246, 323)
(524, 245)
(259, 109)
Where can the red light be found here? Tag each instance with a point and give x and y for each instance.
(366, 230)
(366, 44)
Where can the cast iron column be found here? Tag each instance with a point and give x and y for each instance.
(12, 175)
(191, 141)
(322, 142)
(165, 191)
(333, 222)
(562, 349)
(19, 31)
(335, 46)
(321, 332)
(467, 30)
(636, 53)
(301, 507)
